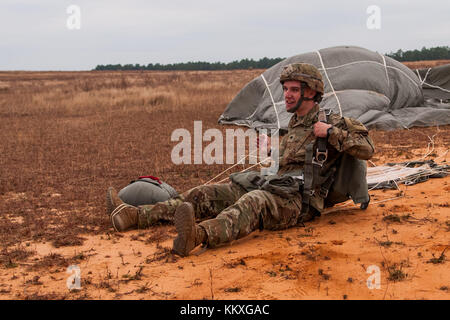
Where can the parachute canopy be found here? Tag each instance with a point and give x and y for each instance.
(377, 90)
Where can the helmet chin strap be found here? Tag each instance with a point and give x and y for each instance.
(300, 101)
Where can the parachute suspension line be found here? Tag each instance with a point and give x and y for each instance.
(422, 81)
(331, 85)
(251, 154)
(425, 78)
(245, 169)
(418, 74)
(385, 68)
(374, 62)
(437, 87)
(273, 101)
(236, 164)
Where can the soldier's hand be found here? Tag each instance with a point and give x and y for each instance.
(320, 129)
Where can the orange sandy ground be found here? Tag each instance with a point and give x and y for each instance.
(326, 260)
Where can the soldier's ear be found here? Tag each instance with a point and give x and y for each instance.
(309, 93)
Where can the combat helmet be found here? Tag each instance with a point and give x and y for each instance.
(307, 74)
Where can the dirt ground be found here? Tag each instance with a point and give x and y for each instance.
(328, 259)
(56, 166)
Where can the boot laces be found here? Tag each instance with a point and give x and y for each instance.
(117, 210)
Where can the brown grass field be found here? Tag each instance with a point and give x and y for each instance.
(67, 136)
(425, 64)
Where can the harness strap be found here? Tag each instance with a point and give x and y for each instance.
(313, 165)
(308, 173)
(325, 186)
(321, 152)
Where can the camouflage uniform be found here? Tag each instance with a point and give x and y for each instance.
(235, 213)
(347, 135)
(208, 201)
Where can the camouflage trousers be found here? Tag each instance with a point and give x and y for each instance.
(227, 212)
(208, 202)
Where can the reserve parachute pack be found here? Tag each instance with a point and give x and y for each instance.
(286, 185)
(147, 190)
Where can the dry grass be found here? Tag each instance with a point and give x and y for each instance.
(425, 63)
(67, 136)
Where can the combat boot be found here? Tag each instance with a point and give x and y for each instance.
(364, 205)
(190, 234)
(123, 216)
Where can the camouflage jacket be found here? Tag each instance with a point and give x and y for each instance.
(347, 135)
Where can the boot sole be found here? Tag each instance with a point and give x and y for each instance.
(185, 225)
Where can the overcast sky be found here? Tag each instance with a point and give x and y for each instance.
(34, 33)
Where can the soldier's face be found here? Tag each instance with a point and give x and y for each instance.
(292, 92)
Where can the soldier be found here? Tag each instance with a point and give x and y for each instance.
(234, 210)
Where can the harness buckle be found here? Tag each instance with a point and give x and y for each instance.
(321, 157)
(323, 192)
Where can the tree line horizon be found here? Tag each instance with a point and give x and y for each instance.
(435, 53)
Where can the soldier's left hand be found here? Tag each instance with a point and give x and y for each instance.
(320, 129)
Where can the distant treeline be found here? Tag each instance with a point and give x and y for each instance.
(263, 63)
(436, 53)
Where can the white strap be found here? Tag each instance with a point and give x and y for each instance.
(437, 87)
(422, 81)
(385, 68)
(251, 154)
(331, 85)
(375, 62)
(418, 74)
(273, 101)
(426, 75)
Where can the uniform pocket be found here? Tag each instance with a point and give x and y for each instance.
(288, 211)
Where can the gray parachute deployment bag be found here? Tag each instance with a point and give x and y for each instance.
(147, 190)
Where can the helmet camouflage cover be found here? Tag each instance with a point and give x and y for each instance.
(303, 72)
